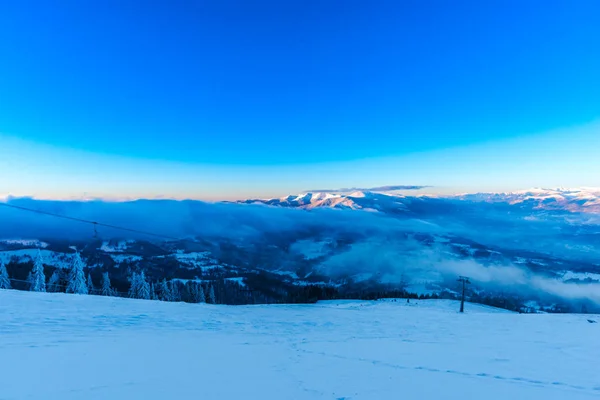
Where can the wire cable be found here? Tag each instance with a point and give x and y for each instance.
(95, 223)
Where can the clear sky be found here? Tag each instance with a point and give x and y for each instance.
(234, 99)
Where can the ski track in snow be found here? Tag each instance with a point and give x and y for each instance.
(57, 346)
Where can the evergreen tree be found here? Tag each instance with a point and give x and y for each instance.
(4, 279)
(77, 283)
(144, 287)
(153, 295)
(189, 293)
(133, 288)
(38, 279)
(29, 280)
(195, 292)
(90, 284)
(201, 295)
(164, 291)
(140, 289)
(54, 282)
(107, 290)
(175, 291)
(211, 295)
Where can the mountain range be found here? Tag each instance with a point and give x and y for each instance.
(536, 245)
(586, 200)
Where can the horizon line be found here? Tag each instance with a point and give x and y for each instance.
(9, 197)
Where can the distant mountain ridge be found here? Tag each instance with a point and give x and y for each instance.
(574, 200)
(359, 200)
(583, 200)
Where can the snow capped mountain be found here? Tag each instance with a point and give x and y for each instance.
(585, 200)
(320, 199)
(307, 201)
(582, 200)
(359, 200)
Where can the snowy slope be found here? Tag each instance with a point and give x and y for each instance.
(311, 200)
(57, 346)
(368, 201)
(58, 260)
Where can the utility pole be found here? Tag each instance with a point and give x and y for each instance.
(465, 281)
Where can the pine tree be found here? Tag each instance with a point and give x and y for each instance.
(106, 288)
(164, 291)
(139, 289)
(77, 283)
(195, 292)
(29, 280)
(211, 295)
(133, 288)
(175, 291)
(189, 293)
(153, 295)
(90, 284)
(144, 287)
(54, 282)
(4, 279)
(201, 295)
(38, 279)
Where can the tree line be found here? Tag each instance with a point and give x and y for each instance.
(257, 288)
(74, 280)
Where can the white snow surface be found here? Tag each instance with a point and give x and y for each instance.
(239, 280)
(25, 242)
(122, 258)
(580, 276)
(120, 247)
(59, 346)
(195, 260)
(58, 260)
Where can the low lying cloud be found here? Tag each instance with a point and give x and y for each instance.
(189, 218)
(412, 262)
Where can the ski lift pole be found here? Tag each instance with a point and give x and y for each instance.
(465, 281)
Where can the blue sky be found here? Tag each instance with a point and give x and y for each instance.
(231, 99)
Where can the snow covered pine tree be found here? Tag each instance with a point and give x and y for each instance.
(140, 289)
(107, 290)
(54, 282)
(201, 295)
(29, 280)
(153, 295)
(90, 284)
(211, 295)
(4, 279)
(38, 279)
(144, 287)
(133, 287)
(195, 292)
(175, 291)
(77, 283)
(164, 291)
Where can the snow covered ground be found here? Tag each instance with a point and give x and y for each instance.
(58, 260)
(57, 346)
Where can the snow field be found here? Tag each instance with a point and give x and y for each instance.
(59, 346)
